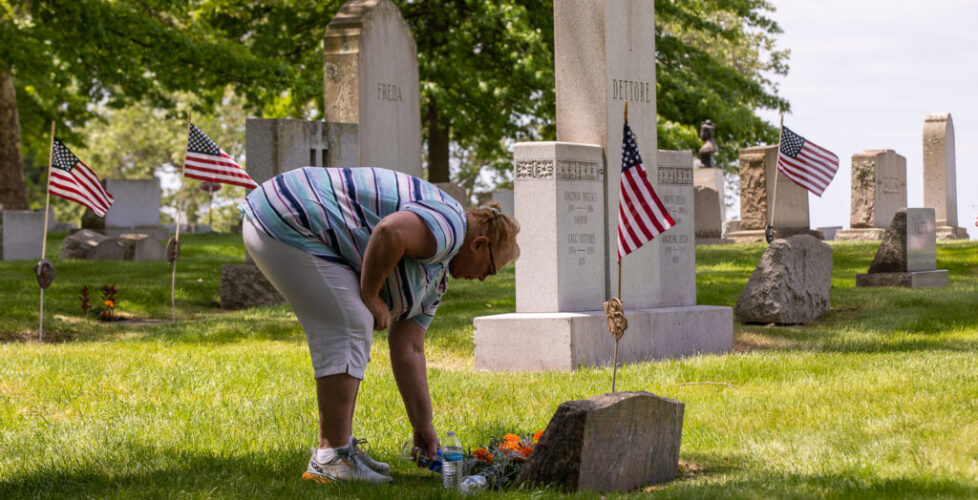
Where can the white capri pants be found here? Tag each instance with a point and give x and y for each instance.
(325, 297)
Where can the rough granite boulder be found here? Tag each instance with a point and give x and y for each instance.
(80, 244)
(108, 249)
(790, 285)
(612, 442)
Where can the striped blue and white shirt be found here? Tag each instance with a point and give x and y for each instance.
(330, 213)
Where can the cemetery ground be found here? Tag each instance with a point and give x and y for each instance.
(878, 398)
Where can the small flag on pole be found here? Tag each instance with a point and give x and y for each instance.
(207, 162)
(641, 215)
(74, 181)
(805, 163)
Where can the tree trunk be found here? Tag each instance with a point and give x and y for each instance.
(438, 139)
(13, 193)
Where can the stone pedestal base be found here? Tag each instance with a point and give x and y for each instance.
(860, 234)
(713, 241)
(918, 279)
(156, 232)
(757, 235)
(945, 233)
(244, 286)
(567, 341)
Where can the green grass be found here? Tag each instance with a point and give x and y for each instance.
(877, 399)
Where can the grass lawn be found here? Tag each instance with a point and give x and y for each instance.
(878, 398)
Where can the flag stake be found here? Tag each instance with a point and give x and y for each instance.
(176, 236)
(44, 238)
(769, 233)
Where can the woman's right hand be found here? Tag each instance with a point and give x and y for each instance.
(426, 443)
(378, 308)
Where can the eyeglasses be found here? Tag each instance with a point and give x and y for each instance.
(492, 261)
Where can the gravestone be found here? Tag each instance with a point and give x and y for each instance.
(566, 199)
(940, 181)
(708, 227)
(455, 191)
(758, 173)
(80, 244)
(879, 189)
(611, 442)
(506, 198)
(829, 232)
(275, 146)
(272, 147)
(712, 178)
(907, 256)
(371, 80)
(21, 232)
(136, 208)
(791, 283)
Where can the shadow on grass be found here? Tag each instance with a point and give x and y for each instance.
(273, 474)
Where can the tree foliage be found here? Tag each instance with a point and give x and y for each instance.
(486, 68)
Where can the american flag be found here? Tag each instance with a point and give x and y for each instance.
(805, 163)
(641, 216)
(73, 180)
(207, 162)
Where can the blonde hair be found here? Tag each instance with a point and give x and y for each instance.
(499, 227)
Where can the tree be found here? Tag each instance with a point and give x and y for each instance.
(66, 57)
(713, 61)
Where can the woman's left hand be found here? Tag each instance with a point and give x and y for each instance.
(378, 308)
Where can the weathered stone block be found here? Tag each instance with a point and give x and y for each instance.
(142, 247)
(244, 286)
(108, 249)
(611, 442)
(790, 285)
(879, 187)
(80, 244)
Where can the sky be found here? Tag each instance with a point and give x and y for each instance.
(865, 73)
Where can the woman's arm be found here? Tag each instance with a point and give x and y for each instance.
(395, 236)
(406, 341)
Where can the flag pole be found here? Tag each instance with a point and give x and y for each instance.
(44, 238)
(774, 202)
(176, 237)
(614, 370)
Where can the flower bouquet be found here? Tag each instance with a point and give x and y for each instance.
(500, 462)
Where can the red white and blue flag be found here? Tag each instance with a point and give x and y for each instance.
(207, 162)
(806, 163)
(74, 181)
(641, 215)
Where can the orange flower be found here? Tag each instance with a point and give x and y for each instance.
(536, 436)
(483, 455)
(109, 303)
(511, 442)
(525, 451)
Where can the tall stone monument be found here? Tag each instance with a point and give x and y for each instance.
(566, 199)
(758, 174)
(940, 182)
(879, 189)
(275, 146)
(371, 79)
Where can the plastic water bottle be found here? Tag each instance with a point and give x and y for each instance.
(451, 472)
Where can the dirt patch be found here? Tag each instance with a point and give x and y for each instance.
(748, 341)
(687, 470)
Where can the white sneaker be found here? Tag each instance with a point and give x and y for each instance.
(378, 467)
(345, 466)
